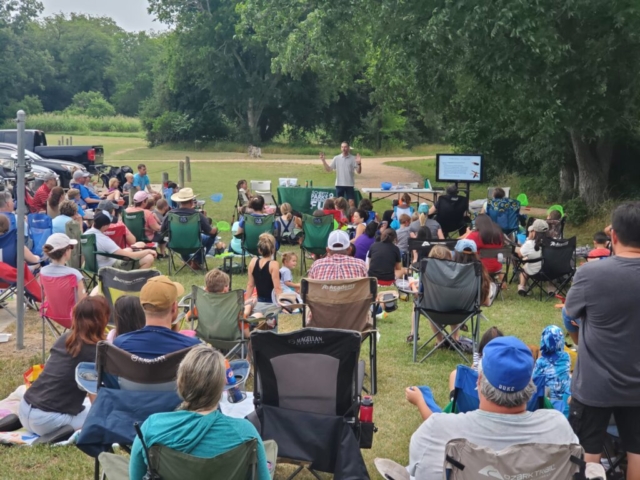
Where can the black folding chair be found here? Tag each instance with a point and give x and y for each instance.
(557, 266)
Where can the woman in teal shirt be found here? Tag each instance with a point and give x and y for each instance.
(198, 428)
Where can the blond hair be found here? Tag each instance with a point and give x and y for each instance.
(266, 245)
(73, 193)
(288, 256)
(440, 252)
(128, 175)
(113, 182)
(201, 378)
(216, 281)
(423, 219)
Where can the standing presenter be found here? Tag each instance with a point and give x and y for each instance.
(344, 165)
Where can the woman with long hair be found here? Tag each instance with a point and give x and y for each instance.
(487, 235)
(198, 427)
(53, 202)
(385, 260)
(363, 242)
(129, 316)
(54, 400)
(58, 248)
(467, 252)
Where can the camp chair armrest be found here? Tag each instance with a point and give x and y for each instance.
(533, 260)
(117, 257)
(293, 306)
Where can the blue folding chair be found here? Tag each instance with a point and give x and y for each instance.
(506, 213)
(465, 395)
(40, 228)
(9, 248)
(8, 272)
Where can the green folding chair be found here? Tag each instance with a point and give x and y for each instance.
(90, 254)
(135, 223)
(74, 231)
(316, 232)
(185, 239)
(239, 463)
(254, 226)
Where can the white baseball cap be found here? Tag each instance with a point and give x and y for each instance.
(60, 241)
(338, 240)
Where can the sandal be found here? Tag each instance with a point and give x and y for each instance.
(410, 338)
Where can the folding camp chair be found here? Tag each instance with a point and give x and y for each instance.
(263, 188)
(59, 296)
(557, 267)
(254, 226)
(135, 223)
(218, 316)
(40, 228)
(185, 239)
(451, 298)
(615, 454)
(316, 231)
(9, 273)
(312, 417)
(452, 214)
(129, 389)
(74, 231)
(345, 304)
(165, 463)
(90, 255)
(114, 283)
(506, 253)
(423, 247)
(506, 213)
(467, 461)
(118, 233)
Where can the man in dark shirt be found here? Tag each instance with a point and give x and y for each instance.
(452, 211)
(185, 198)
(159, 299)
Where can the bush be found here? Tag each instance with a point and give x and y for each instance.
(92, 104)
(31, 104)
(59, 122)
(577, 211)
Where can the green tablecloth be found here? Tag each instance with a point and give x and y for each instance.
(307, 200)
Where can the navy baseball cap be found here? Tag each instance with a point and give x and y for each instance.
(507, 363)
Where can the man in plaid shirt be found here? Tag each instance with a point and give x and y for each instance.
(338, 264)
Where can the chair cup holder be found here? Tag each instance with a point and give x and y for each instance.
(366, 434)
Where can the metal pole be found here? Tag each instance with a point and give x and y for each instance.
(187, 161)
(181, 175)
(20, 168)
(165, 179)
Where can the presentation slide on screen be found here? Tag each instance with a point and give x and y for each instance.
(459, 168)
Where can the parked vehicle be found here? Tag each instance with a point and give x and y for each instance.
(62, 168)
(36, 141)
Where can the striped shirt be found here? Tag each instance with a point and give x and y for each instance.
(338, 267)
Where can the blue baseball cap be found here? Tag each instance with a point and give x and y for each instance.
(466, 244)
(507, 363)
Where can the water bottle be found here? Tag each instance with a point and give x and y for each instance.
(501, 258)
(235, 395)
(311, 183)
(306, 184)
(366, 409)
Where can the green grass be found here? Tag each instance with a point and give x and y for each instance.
(395, 418)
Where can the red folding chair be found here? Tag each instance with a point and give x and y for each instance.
(59, 296)
(118, 233)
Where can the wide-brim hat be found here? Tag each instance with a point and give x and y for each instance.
(183, 195)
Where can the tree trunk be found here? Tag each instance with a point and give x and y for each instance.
(253, 117)
(593, 159)
(568, 178)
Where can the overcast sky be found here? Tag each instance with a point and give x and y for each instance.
(131, 15)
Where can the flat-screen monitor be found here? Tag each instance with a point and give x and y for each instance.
(452, 167)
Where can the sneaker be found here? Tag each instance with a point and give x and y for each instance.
(522, 292)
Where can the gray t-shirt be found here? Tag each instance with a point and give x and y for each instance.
(431, 224)
(104, 244)
(403, 238)
(492, 430)
(345, 168)
(604, 295)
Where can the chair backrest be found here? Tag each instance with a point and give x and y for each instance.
(490, 190)
(40, 228)
(239, 463)
(506, 252)
(184, 233)
(316, 232)
(135, 223)
(467, 461)
(74, 231)
(558, 257)
(9, 248)
(254, 226)
(118, 233)
(12, 219)
(218, 316)
(88, 246)
(115, 283)
(134, 372)
(371, 216)
(451, 212)
(506, 213)
(344, 304)
(59, 296)
(452, 291)
(283, 363)
(260, 185)
(423, 247)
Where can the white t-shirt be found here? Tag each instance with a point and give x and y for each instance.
(53, 270)
(103, 244)
(492, 430)
(528, 250)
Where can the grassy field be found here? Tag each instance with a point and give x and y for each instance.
(395, 418)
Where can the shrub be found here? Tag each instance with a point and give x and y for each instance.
(92, 104)
(59, 122)
(577, 211)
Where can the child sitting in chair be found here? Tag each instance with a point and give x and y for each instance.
(600, 247)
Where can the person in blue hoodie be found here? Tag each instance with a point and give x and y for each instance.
(198, 427)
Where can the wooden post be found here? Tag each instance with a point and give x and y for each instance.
(165, 178)
(187, 161)
(181, 175)
(70, 140)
